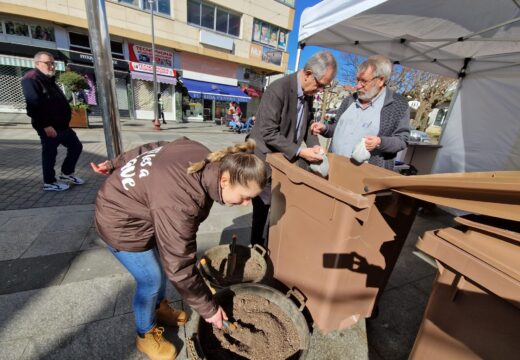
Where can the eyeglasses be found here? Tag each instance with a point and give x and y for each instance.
(320, 85)
(48, 63)
(365, 82)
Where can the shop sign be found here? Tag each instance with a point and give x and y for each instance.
(143, 54)
(89, 59)
(147, 68)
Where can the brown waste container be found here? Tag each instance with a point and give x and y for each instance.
(337, 239)
(332, 242)
(474, 307)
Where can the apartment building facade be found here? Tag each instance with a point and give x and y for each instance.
(208, 53)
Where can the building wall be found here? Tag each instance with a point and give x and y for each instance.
(127, 24)
(172, 32)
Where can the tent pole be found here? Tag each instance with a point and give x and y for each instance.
(450, 108)
(301, 45)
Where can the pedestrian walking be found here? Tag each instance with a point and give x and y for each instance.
(50, 115)
(160, 108)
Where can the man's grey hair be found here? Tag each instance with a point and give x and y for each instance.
(320, 62)
(39, 54)
(380, 65)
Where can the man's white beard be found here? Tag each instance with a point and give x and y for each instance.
(369, 95)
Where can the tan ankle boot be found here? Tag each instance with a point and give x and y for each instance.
(155, 346)
(169, 316)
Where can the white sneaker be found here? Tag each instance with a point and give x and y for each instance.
(55, 186)
(72, 179)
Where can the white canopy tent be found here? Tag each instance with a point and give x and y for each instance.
(477, 41)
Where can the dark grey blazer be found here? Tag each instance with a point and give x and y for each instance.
(394, 128)
(275, 125)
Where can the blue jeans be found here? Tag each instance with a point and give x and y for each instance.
(67, 138)
(145, 267)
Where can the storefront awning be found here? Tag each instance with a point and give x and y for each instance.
(25, 62)
(251, 91)
(213, 91)
(149, 77)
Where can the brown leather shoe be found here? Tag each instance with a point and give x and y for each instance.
(155, 346)
(170, 316)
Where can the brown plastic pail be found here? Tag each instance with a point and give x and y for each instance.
(251, 266)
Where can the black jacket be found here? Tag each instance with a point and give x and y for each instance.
(46, 103)
(275, 126)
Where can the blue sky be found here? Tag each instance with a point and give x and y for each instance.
(293, 38)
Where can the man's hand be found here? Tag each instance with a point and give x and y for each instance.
(50, 132)
(317, 128)
(218, 318)
(102, 168)
(313, 154)
(372, 142)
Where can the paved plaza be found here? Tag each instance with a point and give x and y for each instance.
(64, 296)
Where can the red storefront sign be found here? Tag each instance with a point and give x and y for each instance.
(148, 68)
(143, 54)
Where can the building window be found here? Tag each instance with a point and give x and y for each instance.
(16, 28)
(160, 6)
(117, 50)
(40, 32)
(80, 42)
(208, 16)
(33, 31)
(269, 35)
(213, 18)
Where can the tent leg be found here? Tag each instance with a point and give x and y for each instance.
(298, 53)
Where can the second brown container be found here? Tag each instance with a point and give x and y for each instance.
(337, 246)
(474, 307)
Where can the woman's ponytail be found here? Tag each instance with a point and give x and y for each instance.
(239, 162)
(244, 147)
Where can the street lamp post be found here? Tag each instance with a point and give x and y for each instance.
(102, 54)
(157, 123)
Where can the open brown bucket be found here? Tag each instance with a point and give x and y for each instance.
(251, 266)
(209, 343)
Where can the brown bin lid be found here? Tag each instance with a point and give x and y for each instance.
(504, 228)
(494, 241)
(488, 193)
(488, 261)
(298, 175)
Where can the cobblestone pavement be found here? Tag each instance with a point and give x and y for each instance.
(63, 296)
(20, 161)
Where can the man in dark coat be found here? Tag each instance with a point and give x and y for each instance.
(374, 114)
(282, 124)
(50, 115)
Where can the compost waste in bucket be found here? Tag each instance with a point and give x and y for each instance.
(250, 265)
(272, 331)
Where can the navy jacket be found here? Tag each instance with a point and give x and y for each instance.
(46, 103)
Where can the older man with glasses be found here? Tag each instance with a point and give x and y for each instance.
(50, 115)
(282, 124)
(373, 114)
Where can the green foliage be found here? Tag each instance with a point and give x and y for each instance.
(73, 81)
(79, 106)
